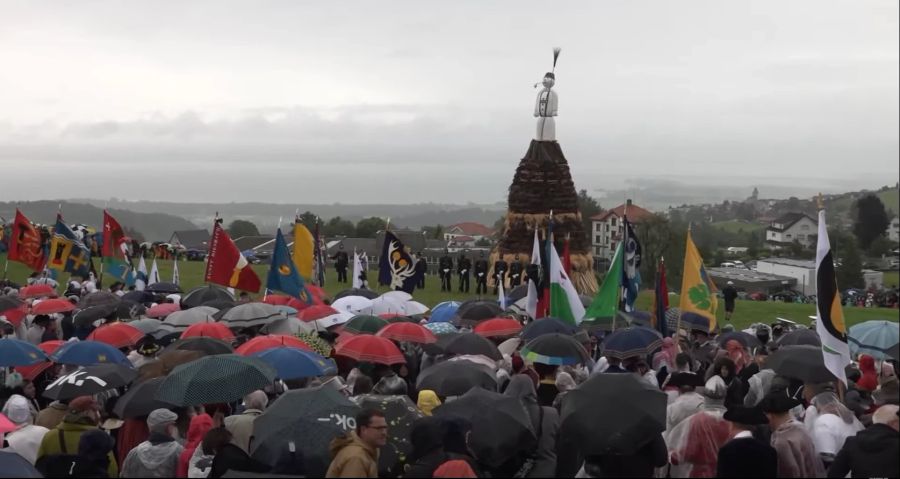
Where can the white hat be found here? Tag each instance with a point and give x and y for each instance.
(17, 410)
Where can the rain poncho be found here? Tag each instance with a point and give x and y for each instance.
(759, 385)
(694, 443)
(684, 406)
(149, 459)
(427, 401)
(830, 423)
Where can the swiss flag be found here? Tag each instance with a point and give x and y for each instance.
(226, 265)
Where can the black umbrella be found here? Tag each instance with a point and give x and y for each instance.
(221, 304)
(98, 298)
(455, 378)
(365, 293)
(205, 294)
(400, 414)
(546, 326)
(139, 400)
(215, 379)
(800, 337)
(747, 340)
(84, 318)
(206, 345)
(440, 346)
(894, 352)
(90, 380)
(149, 326)
(164, 288)
(471, 343)
(473, 311)
(139, 297)
(612, 414)
(803, 362)
(307, 420)
(631, 341)
(128, 310)
(516, 293)
(555, 349)
(14, 465)
(501, 427)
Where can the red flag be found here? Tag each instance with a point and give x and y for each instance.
(26, 245)
(113, 238)
(227, 266)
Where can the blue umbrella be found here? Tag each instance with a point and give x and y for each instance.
(540, 327)
(292, 363)
(874, 338)
(14, 465)
(633, 341)
(88, 353)
(14, 352)
(443, 312)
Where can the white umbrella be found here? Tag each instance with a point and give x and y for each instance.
(401, 296)
(509, 346)
(477, 359)
(415, 307)
(386, 305)
(180, 320)
(353, 304)
(334, 319)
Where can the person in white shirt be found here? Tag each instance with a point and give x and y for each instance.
(830, 423)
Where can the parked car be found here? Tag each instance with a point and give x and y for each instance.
(195, 255)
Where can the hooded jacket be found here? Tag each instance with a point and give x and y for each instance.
(200, 425)
(869, 379)
(871, 453)
(545, 421)
(427, 401)
(155, 457)
(352, 458)
(70, 430)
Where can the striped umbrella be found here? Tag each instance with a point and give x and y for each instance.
(364, 324)
(215, 379)
(632, 341)
(874, 338)
(370, 349)
(118, 335)
(555, 349)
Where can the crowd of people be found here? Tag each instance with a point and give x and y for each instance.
(726, 415)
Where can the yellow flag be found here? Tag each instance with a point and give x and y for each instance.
(698, 292)
(303, 251)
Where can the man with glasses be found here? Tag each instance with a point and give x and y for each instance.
(356, 454)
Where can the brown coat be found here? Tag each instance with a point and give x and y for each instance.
(797, 455)
(352, 458)
(52, 415)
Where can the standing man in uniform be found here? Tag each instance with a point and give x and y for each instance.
(446, 269)
(463, 266)
(730, 294)
(421, 269)
(515, 273)
(500, 268)
(481, 274)
(341, 262)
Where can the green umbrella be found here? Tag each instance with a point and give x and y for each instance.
(221, 378)
(364, 324)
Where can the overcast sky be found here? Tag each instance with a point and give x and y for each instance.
(400, 102)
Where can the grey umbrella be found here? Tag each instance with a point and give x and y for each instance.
(251, 314)
(98, 298)
(205, 294)
(181, 320)
(83, 318)
(147, 325)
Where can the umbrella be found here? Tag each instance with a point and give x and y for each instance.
(803, 362)
(287, 310)
(128, 310)
(401, 296)
(631, 341)
(163, 310)
(147, 325)
(400, 413)
(517, 293)
(365, 293)
(117, 335)
(290, 325)
(305, 420)
(98, 298)
(251, 314)
(87, 353)
(262, 343)
(38, 291)
(498, 327)
(13, 309)
(276, 299)
(139, 297)
(444, 312)
(353, 304)
(85, 317)
(335, 319)
(370, 349)
(555, 349)
(874, 338)
(316, 312)
(14, 352)
(166, 362)
(9, 302)
(208, 346)
(414, 307)
(292, 363)
(364, 324)
(140, 400)
(693, 320)
(219, 304)
(471, 343)
(317, 344)
(547, 326)
(799, 337)
(387, 304)
(509, 346)
(209, 330)
(501, 427)
(14, 465)
(612, 414)
(90, 380)
(477, 310)
(441, 329)
(204, 294)
(454, 378)
(408, 332)
(317, 291)
(214, 379)
(33, 371)
(50, 306)
(894, 351)
(747, 340)
(180, 320)
(164, 288)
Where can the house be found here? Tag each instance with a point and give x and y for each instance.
(803, 271)
(790, 228)
(412, 239)
(607, 228)
(874, 279)
(893, 231)
(751, 281)
(253, 242)
(462, 241)
(476, 231)
(191, 239)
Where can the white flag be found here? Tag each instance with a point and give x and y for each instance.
(533, 293)
(175, 276)
(357, 271)
(830, 324)
(140, 280)
(153, 278)
(502, 298)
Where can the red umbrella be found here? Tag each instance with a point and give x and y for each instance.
(209, 330)
(370, 349)
(317, 292)
(409, 332)
(50, 306)
(117, 335)
(37, 291)
(498, 327)
(262, 343)
(15, 314)
(316, 312)
(33, 371)
(276, 299)
(162, 310)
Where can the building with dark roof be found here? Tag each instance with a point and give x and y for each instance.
(191, 239)
(751, 281)
(790, 228)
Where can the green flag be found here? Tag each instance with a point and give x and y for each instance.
(606, 303)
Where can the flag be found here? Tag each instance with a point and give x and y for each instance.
(283, 275)
(396, 267)
(501, 296)
(661, 300)
(534, 279)
(153, 277)
(116, 262)
(140, 278)
(606, 302)
(830, 322)
(319, 257)
(631, 279)
(227, 266)
(67, 252)
(304, 253)
(357, 270)
(564, 301)
(26, 245)
(698, 292)
(176, 278)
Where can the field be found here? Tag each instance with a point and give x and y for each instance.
(737, 226)
(746, 312)
(891, 279)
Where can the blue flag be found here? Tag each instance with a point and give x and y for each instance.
(283, 275)
(67, 252)
(396, 267)
(631, 274)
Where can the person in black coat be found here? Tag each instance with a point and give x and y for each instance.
(445, 269)
(873, 451)
(421, 270)
(463, 268)
(745, 455)
(92, 459)
(481, 274)
(515, 273)
(341, 263)
(500, 269)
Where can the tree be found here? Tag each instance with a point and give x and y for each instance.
(309, 220)
(483, 242)
(239, 228)
(588, 207)
(848, 269)
(871, 220)
(369, 227)
(338, 226)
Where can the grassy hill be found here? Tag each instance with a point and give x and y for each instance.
(889, 196)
